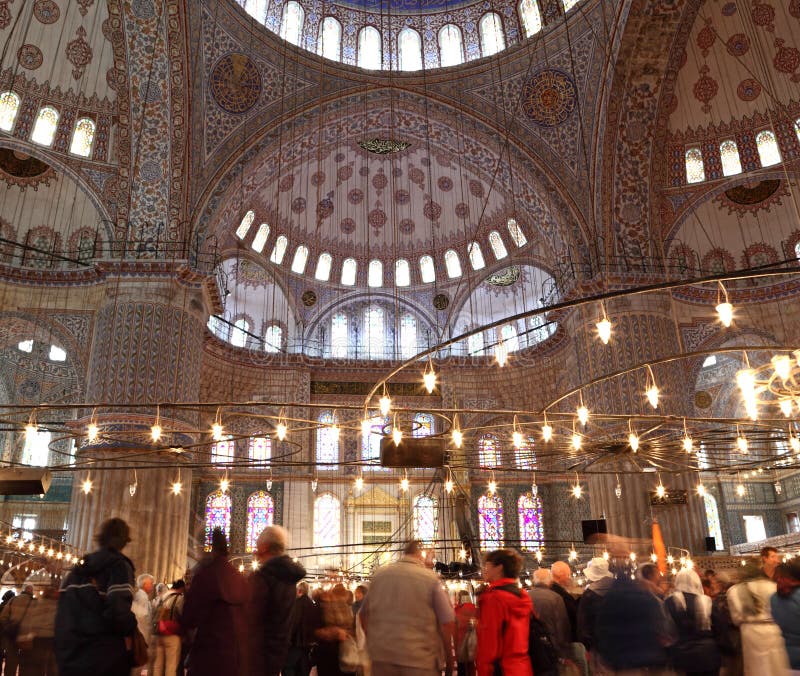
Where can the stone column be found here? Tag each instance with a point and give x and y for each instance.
(147, 349)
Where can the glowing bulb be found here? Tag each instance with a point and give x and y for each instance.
(359, 482)
(429, 379)
(547, 432)
(740, 490)
(50, 553)
(633, 556)
(31, 547)
(653, 557)
(269, 485)
(577, 491)
(30, 432)
(618, 491)
(384, 405)
(41, 549)
(86, 486)
(534, 489)
(606, 556)
(397, 436)
(746, 380)
(576, 441)
(751, 408)
(633, 441)
(661, 492)
(786, 407)
(59, 556)
(701, 490)
(604, 330)
(280, 430)
(241, 567)
(462, 554)
(177, 487)
(741, 443)
(670, 559)
(688, 444)
(725, 313)
(573, 554)
(132, 488)
(224, 485)
(92, 431)
(501, 354)
(448, 485)
(492, 487)
(254, 565)
(782, 363)
(538, 555)
(314, 485)
(583, 414)
(404, 484)
(516, 439)
(458, 437)
(652, 396)
(155, 432)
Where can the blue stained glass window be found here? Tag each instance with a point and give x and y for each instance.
(218, 515)
(423, 425)
(222, 451)
(327, 526)
(525, 454)
(531, 531)
(488, 451)
(259, 448)
(260, 514)
(490, 522)
(327, 442)
(426, 511)
(712, 520)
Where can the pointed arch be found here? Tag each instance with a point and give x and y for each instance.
(260, 514)
(218, 515)
(490, 522)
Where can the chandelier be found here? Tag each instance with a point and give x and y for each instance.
(775, 383)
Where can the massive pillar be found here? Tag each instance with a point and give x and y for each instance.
(147, 351)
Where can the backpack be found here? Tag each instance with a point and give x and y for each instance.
(165, 623)
(541, 649)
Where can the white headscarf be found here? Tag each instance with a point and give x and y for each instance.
(687, 581)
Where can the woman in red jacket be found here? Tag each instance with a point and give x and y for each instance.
(504, 612)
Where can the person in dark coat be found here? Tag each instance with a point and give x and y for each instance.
(215, 606)
(301, 636)
(273, 592)
(562, 580)
(600, 580)
(94, 620)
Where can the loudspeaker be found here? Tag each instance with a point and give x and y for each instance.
(24, 481)
(711, 544)
(593, 527)
(411, 452)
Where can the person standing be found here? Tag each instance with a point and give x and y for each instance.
(167, 631)
(334, 624)
(466, 620)
(11, 617)
(562, 583)
(727, 635)
(600, 581)
(301, 635)
(785, 607)
(36, 656)
(551, 610)
(769, 561)
(142, 608)
(408, 619)
(273, 589)
(359, 594)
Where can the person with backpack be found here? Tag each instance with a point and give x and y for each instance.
(14, 612)
(167, 631)
(95, 626)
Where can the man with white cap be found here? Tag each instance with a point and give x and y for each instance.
(600, 579)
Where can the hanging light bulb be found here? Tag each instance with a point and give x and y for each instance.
(572, 553)
(651, 389)
(741, 441)
(492, 486)
(740, 490)
(661, 491)
(794, 442)
(603, 325)
(397, 434)
(501, 352)
(786, 407)
(92, 432)
(429, 377)
(633, 556)
(281, 428)
(86, 486)
(577, 490)
(224, 484)
(653, 557)
(606, 555)
(177, 487)
(782, 363)
(385, 402)
(404, 484)
(583, 413)
(462, 554)
(269, 484)
(359, 482)
(534, 487)
(701, 490)
(576, 441)
(778, 487)
(516, 436)
(724, 308)
(547, 431)
(133, 486)
(314, 485)
(618, 491)
(155, 432)
(633, 438)
(538, 555)
(448, 485)
(30, 430)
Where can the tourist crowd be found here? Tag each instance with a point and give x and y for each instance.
(105, 622)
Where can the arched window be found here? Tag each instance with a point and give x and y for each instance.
(292, 22)
(36, 451)
(259, 449)
(452, 264)
(370, 48)
(516, 233)
(729, 154)
(262, 234)
(427, 270)
(327, 521)
(279, 250)
(491, 31)
(451, 45)
(402, 272)
(488, 451)
(82, 137)
(712, 520)
(475, 256)
(531, 17)
(426, 513)
(531, 533)
(244, 226)
(409, 48)
(490, 522)
(239, 332)
(329, 44)
(273, 338)
(260, 514)
(423, 425)
(218, 515)
(539, 328)
(300, 258)
(768, 150)
(339, 337)
(327, 442)
(525, 455)
(57, 354)
(9, 106)
(44, 131)
(374, 334)
(408, 336)
(323, 272)
(25, 346)
(509, 336)
(475, 344)
(498, 247)
(371, 443)
(222, 451)
(569, 4)
(257, 9)
(375, 274)
(349, 267)
(695, 173)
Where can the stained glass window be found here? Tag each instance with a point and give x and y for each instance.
(729, 153)
(83, 137)
(452, 264)
(374, 335)
(476, 256)
(273, 338)
(516, 233)
(223, 450)
(299, 261)
(497, 244)
(371, 443)
(451, 45)
(375, 274)
(327, 442)
(475, 345)
(490, 522)
(490, 28)
(510, 339)
(329, 44)
(712, 520)
(36, 451)
(218, 515)
(9, 105)
(425, 519)
(260, 514)
(402, 272)
(244, 226)
(531, 532)
(44, 131)
(239, 332)
(488, 451)
(259, 449)
(695, 173)
(531, 18)
(262, 234)
(409, 48)
(768, 150)
(292, 22)
(525, 455)
(349, 267)
(323, 272)
(327, 525)
(339, 341)
(423, 425)
(427, 269)
(370, 48)
(408, 336)
(279, 250)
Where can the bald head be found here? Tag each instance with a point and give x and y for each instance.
(542, 577)
(561, 573)
(272, 542)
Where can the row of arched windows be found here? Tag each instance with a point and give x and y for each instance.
(260, 514)
(375, 268)
(491, 523)
(372, 341)
(46, 125)
(490, 452)
(515, 336)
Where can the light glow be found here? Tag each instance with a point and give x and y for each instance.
(583, 414)
(492, 487)
(577, 491)
(281, 430)
(224, 484)
(604, 330)
(155, 432)
(86, 486)
(786, 407)
(740, 490)
(547, 432)
(725, 313)
(458, 437)
(385, 405)
(217, 431)
(404, 484)
(633, 441)
(397, 436)
(429, 379)
(688, 444)
(701, 490)
(177, 487)
(359, 482)
(652, 396)
(782, 363)
(92, 431)
(576, 441)
(741, 443)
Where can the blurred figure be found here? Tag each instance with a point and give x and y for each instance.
(273, 589)
(408, 619)
(562, 583)
(695, 651)
(769, 561)
(786, 610)
(650, 577)
(94, 622)
(36, 655)
(504, 613)
(167, 631)
(600, 580)
(710, 584)
(215, 607)
(10, 619)
(10, 594)
(726, 633)
(142, 608)
(359, 593)
(334, 625)
(301, 634)
(551, 610)
(466, 613)
(763, 650)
